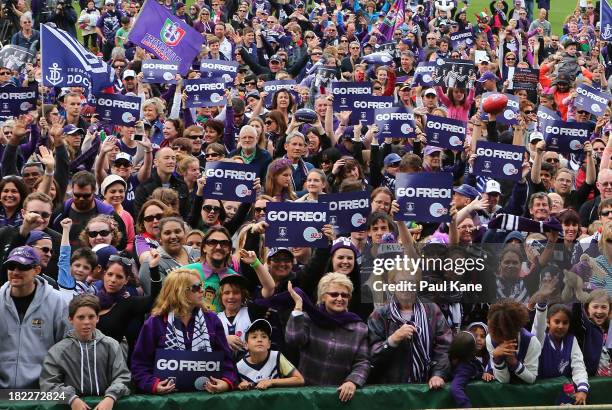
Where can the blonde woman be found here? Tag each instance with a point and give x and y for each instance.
(179, 321)
(101, 229)
(316, 185)
(153, 112)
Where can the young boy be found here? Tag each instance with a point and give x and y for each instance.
(262, 368)
(86, 363)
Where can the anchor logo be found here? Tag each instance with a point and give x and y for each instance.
(56, 74)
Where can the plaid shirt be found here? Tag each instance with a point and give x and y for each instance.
(330, 356)
(390, 364)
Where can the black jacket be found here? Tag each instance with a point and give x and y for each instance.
(144, 191)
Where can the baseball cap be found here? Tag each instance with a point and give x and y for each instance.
(404, 86)
(535, 136)
(63, 92)
(109, 2)
(104, 252)
(430, 149)
(467, 191)
(235, 279)
(72, 129)
(492, 186)
(129, 73)
(391, 158)
(429, 91)
(123, 155)
(24, 255)
(274, 251)
(179, 5)
(276, 58)
(109, 180)
(260, 324)
(487, 76)
(344, 243)
(254, 94)
(36, 236)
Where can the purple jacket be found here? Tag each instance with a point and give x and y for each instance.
(151, 338)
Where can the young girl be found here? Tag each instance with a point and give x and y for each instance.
(480, 330)
(466, 366)
(514, 351)
(316, 185)
(456, 102)
(561, 355)
(278, 180)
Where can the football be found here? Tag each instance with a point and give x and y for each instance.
(494, 103)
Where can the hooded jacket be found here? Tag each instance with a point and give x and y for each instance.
(94, 368)
(23, 345)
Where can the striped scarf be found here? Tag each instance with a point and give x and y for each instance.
(516, 291)
(419, 348)
(175, 340)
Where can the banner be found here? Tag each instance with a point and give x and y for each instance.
(118, 109)
(15, 101)
(363, 107)
(16, 57)
(424, 197)
(159, 72)
(591, 99)
(546, 114)
(393, 20)
(499, 161)
(388, 47)
(605, 13)
(465, 37)
(424, 74)
(348, 211)
(66, 63)
(205, 92)
(273, 86)
(296, 224)
(220, 68)
(230, 181)
(445, 132)
(343, 90)
(190, 370)
(166, 36)
(395, 122)
(568, 137)
(525, 79)
(454, 73)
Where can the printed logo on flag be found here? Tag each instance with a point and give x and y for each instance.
(171, 33)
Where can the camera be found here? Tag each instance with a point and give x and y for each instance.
(137, 137)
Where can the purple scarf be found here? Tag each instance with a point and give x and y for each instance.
(318, 314)
(107, 300)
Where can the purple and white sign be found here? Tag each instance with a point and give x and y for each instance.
(348, 211)
(444, 132)
(273, 86)
(591, 99)
(395, 122)
(343, 91)
(118, 109)
(190, 370)
(205, 92)
(296, 224)
(227, 70)
(568, 137)
(423, 74)
(546, 114)
(364, 106)
(424, 196)
(230, 181)
(159, 72)
(465, 37)
(499, 161)
(16, 101)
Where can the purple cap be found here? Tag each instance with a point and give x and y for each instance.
(344, 243)
(104, 252)
(273, 251)
(391, 158)
(430, 149)
(71, 129)
(487, 76)
(467, 191)
(24, 255)
(36, 236)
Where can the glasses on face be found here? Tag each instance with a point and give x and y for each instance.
(82, 196)
(259, 210)
(335, 295)
(122, 164)
(555, 160)
(151, 218)
(581, 112)
(211, 209)
(43, 214)
(121, 260)
(18, 266)
(606, 213)
(119, 66)
(528, 112)
(394, 165)
(95, 234)
(377, 88)
(5, 73)
(281, 259)
(606, 184)
(354, 47)
(45, 249)
(317, 53)
(268, 122)
(195, 136)
(195, 288)
(224, 243)
(30, 174)
(344, 40)
(510, 58)
(212, 155)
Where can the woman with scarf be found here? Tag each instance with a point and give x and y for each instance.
(179, 321)
(409, 339)
(333, 342)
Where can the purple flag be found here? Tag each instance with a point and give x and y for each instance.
(166, 36)
(393, 19)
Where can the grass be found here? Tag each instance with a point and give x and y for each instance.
(559, 10)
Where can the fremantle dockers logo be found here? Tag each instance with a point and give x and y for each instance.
(487, 165)
(282, 232)
(217, 186)
(171, 33)
(333, 220)
(55, 74)
(410, 207)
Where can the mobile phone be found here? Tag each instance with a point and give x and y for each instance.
(137, 137)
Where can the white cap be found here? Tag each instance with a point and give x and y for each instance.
(429, 91)
(129, 73)
(492, 186)
(123, 155)
(535, 136)
(109, 180)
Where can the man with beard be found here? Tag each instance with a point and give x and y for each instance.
(250, 152)
(588, 211)
(83, 206)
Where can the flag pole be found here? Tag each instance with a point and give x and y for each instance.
(42, 74)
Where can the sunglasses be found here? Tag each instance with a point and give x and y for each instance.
(211, 208)
(394, 165)
(94, 234)
(581, 112)
(269, 122)
(212, 155)
(377, 88)
(151, 218)
(197, 288)
(45, 249)
(555, 160)
(528, 112)
(43, 214)
(120, 66)
(605, 213)
(281, 259)
(343, 295)
(224, 243)
(5, 73)
(122, 163)
(258, 210)
(195, 136)
(121, 260)
(82, 196)
(19, 266)
(510, 58)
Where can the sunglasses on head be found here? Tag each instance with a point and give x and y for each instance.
(224, 243)
(197, 288)
(45, 249)
(19, 266)
(94, 234)
(121, 260)
(151, 218)
(211, 208)
(343, 295)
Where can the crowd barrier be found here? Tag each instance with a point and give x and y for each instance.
(384, 397)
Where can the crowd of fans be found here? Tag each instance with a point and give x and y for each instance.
(111, 251)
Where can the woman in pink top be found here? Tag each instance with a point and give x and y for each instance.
(456, 102)
(113, 190)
